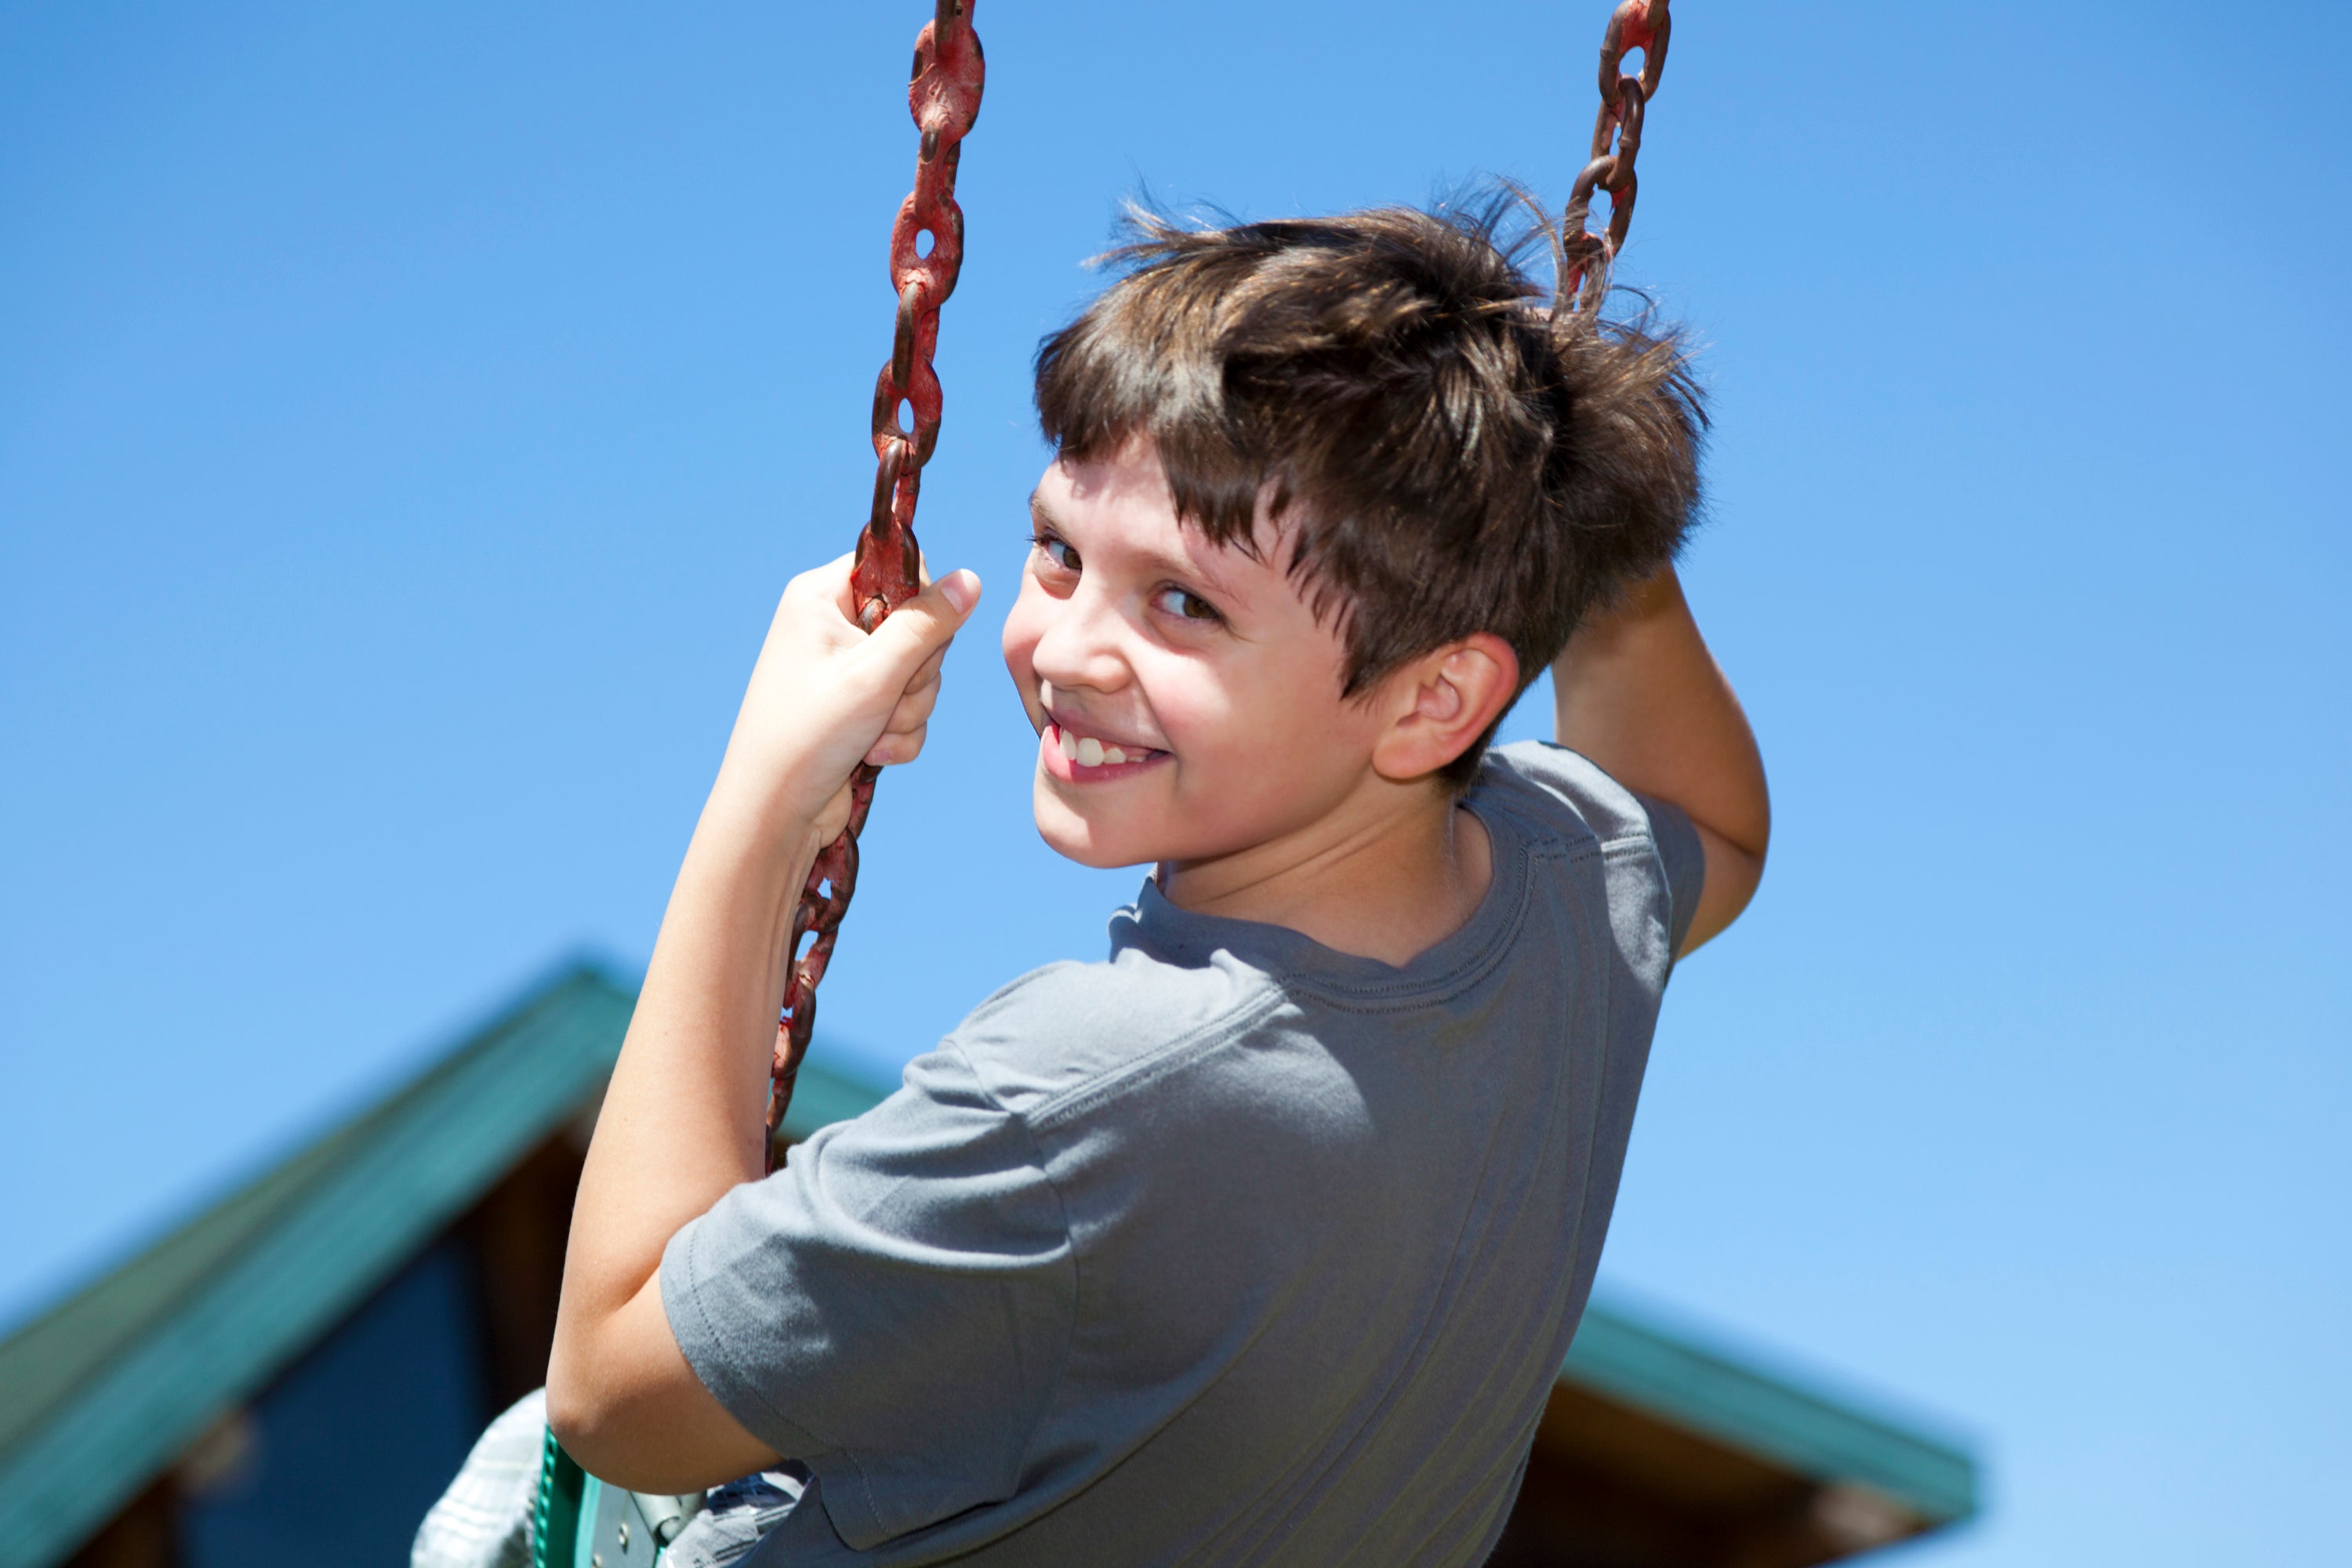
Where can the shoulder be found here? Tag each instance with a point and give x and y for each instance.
(1072, 1031)
(1558, 797)
(1561, 792)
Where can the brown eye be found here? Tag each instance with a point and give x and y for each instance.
(1185, 605)
(1059, 553)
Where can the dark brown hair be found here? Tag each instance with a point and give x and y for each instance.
(1459, 452)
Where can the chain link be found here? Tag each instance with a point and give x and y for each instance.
(1640, 25)
(926, 253)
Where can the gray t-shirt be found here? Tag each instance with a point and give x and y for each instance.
(1230, 1249)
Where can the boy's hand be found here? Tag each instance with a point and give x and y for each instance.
(826, 696)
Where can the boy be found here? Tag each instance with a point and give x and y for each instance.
(1264, 1239)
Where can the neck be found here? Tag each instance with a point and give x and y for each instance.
(1389, 876)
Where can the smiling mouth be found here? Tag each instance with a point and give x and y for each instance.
(1084, 757)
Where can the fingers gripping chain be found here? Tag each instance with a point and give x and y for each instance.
(926, 253)
(1640, 25)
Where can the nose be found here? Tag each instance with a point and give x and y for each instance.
(1081, 646)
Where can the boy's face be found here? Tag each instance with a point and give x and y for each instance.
(1199, 692)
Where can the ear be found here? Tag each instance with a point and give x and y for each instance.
(1438, 705)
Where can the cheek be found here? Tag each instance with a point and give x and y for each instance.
(1236, 722)
(1023, 629)
(1189, 706)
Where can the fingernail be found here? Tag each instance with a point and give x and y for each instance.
(962, 590)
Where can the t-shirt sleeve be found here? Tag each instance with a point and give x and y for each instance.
(1683, 856)
(1571, 793)
(892, 1307)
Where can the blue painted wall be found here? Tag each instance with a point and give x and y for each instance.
(359, 1437)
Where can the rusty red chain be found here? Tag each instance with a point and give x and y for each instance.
(1640, 25)
(926, 253)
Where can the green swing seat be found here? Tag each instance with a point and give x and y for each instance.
(581, 1523)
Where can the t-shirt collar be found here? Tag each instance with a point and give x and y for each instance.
(1159, 928)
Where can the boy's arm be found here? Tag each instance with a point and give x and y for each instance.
(1638, 692)
(684, 1118)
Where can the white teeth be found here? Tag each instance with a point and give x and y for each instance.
(1089, 753)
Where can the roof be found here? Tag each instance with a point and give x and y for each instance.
(1830, 1441)
(106, 1389)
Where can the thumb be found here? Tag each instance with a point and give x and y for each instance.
(922, 625)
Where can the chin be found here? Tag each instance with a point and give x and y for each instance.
(1093, 844)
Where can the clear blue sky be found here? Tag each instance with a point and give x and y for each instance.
(408, 415)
